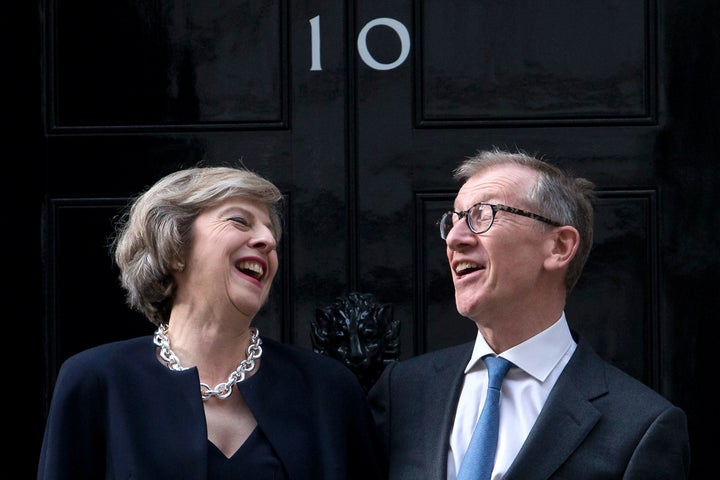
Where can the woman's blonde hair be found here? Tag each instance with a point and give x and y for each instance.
(154, 233)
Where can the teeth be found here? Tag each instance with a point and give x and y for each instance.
(463, 267)
(253, 267)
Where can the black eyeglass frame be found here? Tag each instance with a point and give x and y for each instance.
(494, 208)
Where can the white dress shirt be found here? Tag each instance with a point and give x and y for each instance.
(539, 361)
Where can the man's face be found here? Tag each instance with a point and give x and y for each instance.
(496, 271)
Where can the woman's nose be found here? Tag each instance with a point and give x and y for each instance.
(264, 239)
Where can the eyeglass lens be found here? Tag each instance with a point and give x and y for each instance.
(446, 223)
(477, 217)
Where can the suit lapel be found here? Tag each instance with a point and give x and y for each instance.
(447, 383)
(565, 420)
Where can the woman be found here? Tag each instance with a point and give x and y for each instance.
(206, 396)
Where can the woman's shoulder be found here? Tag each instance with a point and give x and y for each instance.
(302, 358)
(296, 351)
(108, 354)
(88, 373)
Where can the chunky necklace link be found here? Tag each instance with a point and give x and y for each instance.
(223, 389)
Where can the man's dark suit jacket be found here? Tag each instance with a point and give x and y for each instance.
(118, 413)
(598, 422)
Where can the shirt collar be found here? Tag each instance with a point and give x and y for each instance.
(537, 355)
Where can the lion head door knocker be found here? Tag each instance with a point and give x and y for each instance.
(359, 332)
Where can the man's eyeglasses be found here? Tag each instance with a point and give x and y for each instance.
(480, 217)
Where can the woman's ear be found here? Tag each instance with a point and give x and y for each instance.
(563, 248)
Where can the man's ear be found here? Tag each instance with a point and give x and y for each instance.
(563, 247)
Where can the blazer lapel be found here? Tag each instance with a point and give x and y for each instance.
(279, 400)
(565, 420)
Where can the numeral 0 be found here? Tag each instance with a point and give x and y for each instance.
(365, 54)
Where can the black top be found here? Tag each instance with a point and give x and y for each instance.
(255, 458)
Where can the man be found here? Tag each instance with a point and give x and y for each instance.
(517, 240)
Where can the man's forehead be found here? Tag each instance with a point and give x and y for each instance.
(497, 184)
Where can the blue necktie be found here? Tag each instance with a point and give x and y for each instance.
(480, 456)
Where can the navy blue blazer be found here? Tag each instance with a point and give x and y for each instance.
(118, 413)
(598, 422)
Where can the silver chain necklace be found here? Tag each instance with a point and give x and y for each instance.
(223, 389)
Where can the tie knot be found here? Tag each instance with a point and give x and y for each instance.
(497, 369)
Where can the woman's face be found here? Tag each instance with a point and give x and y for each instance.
(232, 260)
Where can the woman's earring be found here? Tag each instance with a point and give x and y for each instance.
(180, 266)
